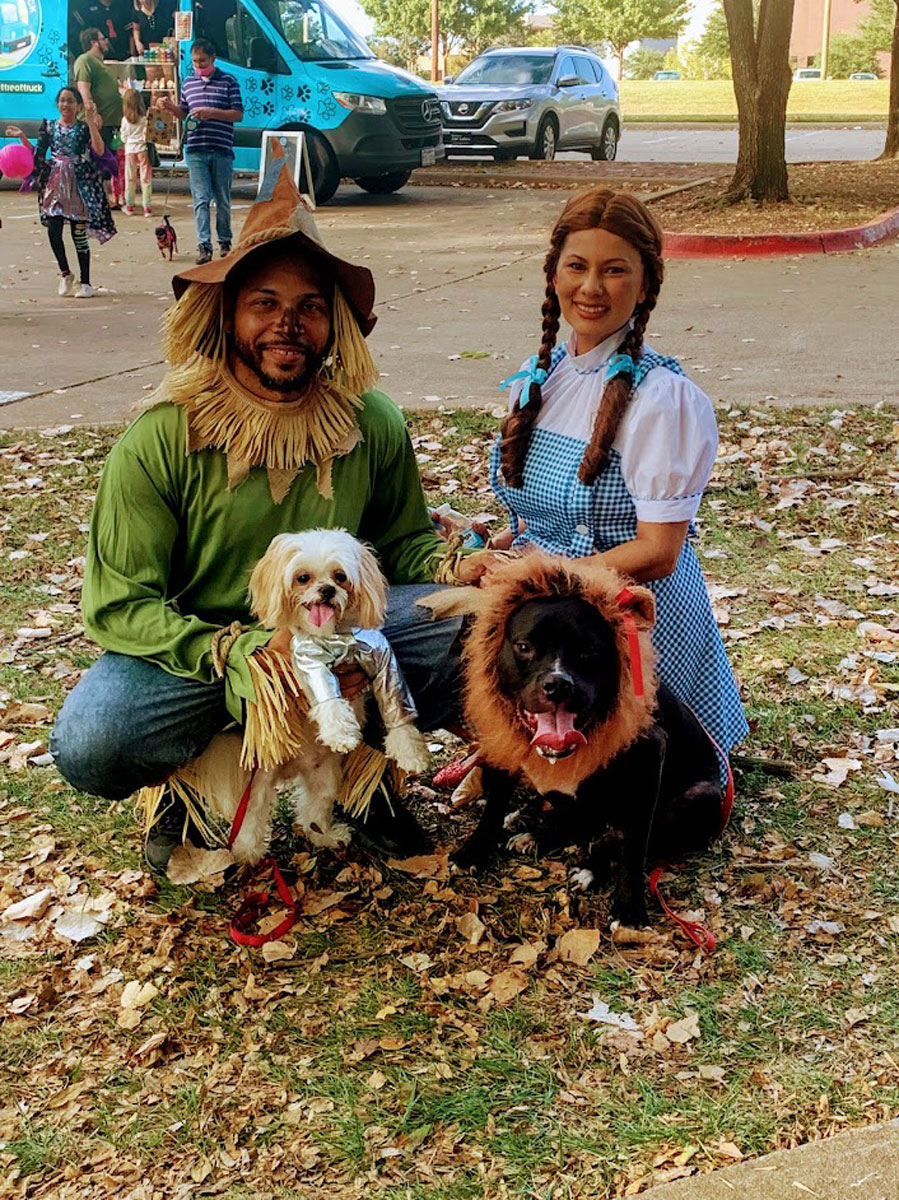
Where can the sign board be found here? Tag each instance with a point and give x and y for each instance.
(184, 26)
(296, 153)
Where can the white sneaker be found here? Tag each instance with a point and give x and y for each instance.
(65, 285)
(83, 291)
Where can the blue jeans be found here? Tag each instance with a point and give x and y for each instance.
(128, 723)
(210, 179)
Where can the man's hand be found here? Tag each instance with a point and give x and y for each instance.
(353, 680)
(203, 114)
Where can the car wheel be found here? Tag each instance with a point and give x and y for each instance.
(608, 143)
(545, 146)
(382, 185)
(325, 171)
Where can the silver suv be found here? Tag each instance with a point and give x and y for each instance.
(533, 101)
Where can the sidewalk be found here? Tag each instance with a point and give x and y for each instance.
(860, 1165)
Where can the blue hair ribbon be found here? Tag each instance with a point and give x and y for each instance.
(531, 372)
(619, 364)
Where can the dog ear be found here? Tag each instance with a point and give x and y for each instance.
(371, 597)
(268, 599)
(641, 603)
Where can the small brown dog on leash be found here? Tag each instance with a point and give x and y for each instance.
(166, 239)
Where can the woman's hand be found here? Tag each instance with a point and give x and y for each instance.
(14, 131)
(477, 568)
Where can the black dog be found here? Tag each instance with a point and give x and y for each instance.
(166, 239)
(655, 801)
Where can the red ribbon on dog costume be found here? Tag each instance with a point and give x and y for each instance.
(624, 598)
(252, 908)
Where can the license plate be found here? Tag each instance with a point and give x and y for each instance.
(428, 156)
(458, 139)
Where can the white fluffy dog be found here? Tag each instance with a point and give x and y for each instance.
(325, 587)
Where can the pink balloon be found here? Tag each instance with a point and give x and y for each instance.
(16, 160)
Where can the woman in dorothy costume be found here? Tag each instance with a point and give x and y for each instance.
(608, 445)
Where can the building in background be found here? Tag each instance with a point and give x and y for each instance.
(808, 25)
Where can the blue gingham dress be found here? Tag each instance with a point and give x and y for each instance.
(567, 517)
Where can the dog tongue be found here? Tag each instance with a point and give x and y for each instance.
(320, 614)
(556, 730)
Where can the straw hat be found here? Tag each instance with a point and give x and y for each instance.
(279, 214)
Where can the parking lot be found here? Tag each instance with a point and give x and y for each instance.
(458, 273)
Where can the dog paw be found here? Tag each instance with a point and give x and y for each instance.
(521, 843)
(470, 857)
(630, 916)
(408, 749)
(337, 726)
(336, 835)
(582, 880)
(512, 820)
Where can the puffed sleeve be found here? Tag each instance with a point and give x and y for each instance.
(668, 443)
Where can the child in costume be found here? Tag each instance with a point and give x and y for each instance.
(69, 188)
(137, 159)
(608, 446)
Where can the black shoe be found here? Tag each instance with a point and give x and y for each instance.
(205, 254)
(224, 249)
(388, 828)
(166, 832)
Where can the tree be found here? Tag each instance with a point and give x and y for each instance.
(405, 24)
(643, 64)
(472, 25)
(617, 23)
(711, 52)
(760, 61)
(880, 28)
(849, 52)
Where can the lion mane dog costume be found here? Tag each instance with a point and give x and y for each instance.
(626, 771)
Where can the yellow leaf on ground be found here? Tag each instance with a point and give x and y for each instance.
(684, 1030)
(508, 984)
(471, 927)
(578, 945)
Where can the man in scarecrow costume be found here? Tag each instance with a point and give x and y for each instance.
(267, 422)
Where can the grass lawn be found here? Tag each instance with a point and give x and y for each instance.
(713, 100)
(394, 1046)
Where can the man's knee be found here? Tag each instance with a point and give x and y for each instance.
(89, 749)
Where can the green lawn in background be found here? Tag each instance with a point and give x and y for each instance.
(713, 99)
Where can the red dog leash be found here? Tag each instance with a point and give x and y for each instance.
(257, 903)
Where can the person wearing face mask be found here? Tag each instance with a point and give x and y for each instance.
(210, 106)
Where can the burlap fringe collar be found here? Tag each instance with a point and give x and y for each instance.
(251, 432)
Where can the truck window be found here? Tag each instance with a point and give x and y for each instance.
(315, 33)
(237, 36)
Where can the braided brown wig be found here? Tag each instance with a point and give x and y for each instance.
(625, 216)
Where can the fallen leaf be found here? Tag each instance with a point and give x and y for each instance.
(191, 864)
(77, 925)
(136, 995)
(508, 984)
(603, 1015)
(471, 927)
(684, 1030)
(31, 907)
(275, 951)
(423, 866)
(578, 945)
(527, 953)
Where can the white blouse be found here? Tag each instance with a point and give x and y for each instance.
(667, 440)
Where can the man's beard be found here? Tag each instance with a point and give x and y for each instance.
(297, 382)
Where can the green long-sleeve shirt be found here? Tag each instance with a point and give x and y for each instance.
(171, 548)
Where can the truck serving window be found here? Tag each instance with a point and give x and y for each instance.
(315, 33)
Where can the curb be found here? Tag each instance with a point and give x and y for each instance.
(736, 245)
